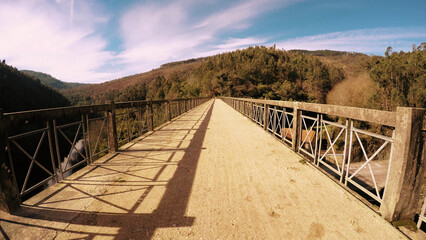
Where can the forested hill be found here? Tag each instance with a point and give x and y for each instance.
(400, 78)
(99, 93)
(322, 76)
(50, 81)
(256, 72)
(21, 92)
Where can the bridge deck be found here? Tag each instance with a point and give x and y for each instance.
(209, 174)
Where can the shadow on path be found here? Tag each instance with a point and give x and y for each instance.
(170, 211)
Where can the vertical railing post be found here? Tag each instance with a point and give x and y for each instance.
(346, 147)
(50, 139)
(252, 111)
(274, 125)
(296, 123)
(150, 117)
(88, 138)
(112, 128)
(265, 116)
(168, 113)
(238, 105)
(9, 193)
(129, 134)
(183, 105)
(406, 172)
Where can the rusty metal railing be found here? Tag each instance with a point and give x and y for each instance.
(371, 153)
(44, 146)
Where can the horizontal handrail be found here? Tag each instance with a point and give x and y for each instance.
(363, 114)
(62, 112)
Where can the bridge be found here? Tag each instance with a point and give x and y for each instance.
(198, 169)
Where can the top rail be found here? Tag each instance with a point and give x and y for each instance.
(369, 115)
(61, 112)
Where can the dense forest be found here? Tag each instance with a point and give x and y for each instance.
(400, 79)
(323, 76)
(257, 72)
(397, 79)
(21, 92)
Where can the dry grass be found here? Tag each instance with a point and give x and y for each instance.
(353, 91)
(357, 87)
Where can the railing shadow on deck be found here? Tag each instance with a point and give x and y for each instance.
(170, 211)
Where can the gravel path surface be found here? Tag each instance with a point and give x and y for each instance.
(210, 174)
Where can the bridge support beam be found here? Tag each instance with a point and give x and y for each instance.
(9, 193)
(407, 168)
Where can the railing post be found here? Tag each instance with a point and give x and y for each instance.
(296, 123)
(150, 117)
(266, 117)
(406, 172)
(112, 128)
(184, 106)
(168, 113)
(252, 111)
(9, 193)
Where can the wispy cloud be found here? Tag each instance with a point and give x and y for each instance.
(372, 41)
(39, 35)
(68, 38)
(154, 34)
(232, 44)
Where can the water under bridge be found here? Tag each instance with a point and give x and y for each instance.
(213, 173)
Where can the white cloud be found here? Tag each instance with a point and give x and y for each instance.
(39, 35)
(154, 34)
(231, 45)
(52, 37)
(63, 37)
(364, 40)
(241, 42)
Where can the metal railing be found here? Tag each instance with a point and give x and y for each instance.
(354, 146)
(44, 146)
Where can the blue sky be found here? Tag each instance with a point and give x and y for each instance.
(99, 40)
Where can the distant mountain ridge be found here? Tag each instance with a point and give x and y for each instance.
(51, 81)
(20, 92)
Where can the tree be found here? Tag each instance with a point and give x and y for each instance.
(388, 51)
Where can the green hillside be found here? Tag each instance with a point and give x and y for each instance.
(257, 72)
(21, 92)
(322, 76)
(50, 81)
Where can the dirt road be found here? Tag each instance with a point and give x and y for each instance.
(210, 174)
